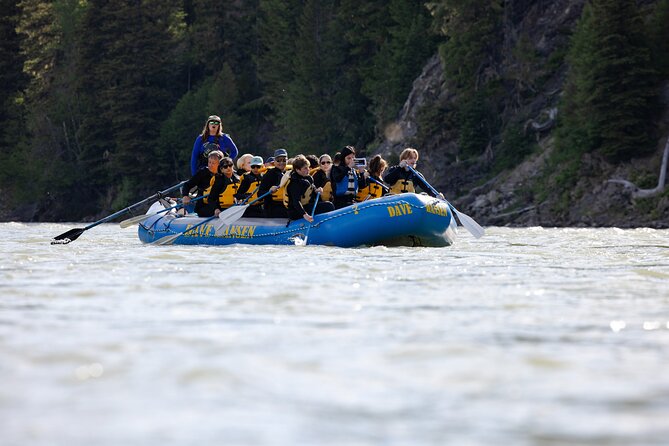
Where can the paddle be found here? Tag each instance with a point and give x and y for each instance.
(140, 218)
(300, 242)
(383, 186)
(168, 240)
(234, 213)
(73, 234)
(229, 216)
(469, 223)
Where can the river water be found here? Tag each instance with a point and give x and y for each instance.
(524, 337)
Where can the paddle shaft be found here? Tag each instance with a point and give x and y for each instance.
(132, 206)
(73, 234)
(465, 220)
(383, 186)
(313, 212)
(232, 213)
(140, 218)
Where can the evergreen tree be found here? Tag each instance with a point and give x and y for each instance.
(472, 29)
(49, 47)
(305, 114)
(609, 99)
(276, 25)
(12, 82)
(124, 68)
(406, 46)
(658, 30)
(12, 79)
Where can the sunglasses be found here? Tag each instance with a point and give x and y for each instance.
(280, 160)
(326, 162)
(225, 166)
(214, 123)
(255, 167)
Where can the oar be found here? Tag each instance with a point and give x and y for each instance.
(469, 223)
(234, 213)
(140, 218)
(168, 240)
(228, 216)
(299, 241)
(383, 186)
(73, 234)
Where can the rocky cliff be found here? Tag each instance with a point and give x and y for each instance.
(526, 194)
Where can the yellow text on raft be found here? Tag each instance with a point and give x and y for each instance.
(438, 209)
(200, 231)
(239, 231)
(399, 209)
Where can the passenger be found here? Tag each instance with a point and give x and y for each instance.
(401, 179)
(273, 204)
(204, 179)
(211, 138)
(269, 162)
(322, 177)
(244, 164)
(346, 181)
(337, 159)
(300, 197)
(225, 186)
(248, 188)
(377, 165)
(313, 161)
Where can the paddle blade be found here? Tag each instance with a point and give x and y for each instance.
(232, 214)
(299, 241)
(469, 223)
(67, 237)
(167, 240)
(134, 220)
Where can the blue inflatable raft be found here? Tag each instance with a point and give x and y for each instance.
(393, 220)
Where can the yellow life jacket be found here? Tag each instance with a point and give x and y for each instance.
(280, 193)
(205, 200)
(372, 190)
(253, 187)
(327, 187)
(327, 192)
(227, 198)
(304, 199)
(362, 194)
(402, 186)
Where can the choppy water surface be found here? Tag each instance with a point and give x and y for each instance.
(527, 336)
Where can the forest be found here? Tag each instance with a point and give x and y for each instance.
(101, 100)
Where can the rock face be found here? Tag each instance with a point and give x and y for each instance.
(524, 195)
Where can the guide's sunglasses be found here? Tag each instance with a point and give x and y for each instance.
(214, 123)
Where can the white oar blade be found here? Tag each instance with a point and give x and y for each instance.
(299, 241)
(470, 224)
(232, 214)
(134, 220)
(167, 240)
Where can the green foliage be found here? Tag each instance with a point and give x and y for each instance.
(472, 31)
(477, 122)
(472, 28)
(124, 64)
(609, 96)
(403, 51)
